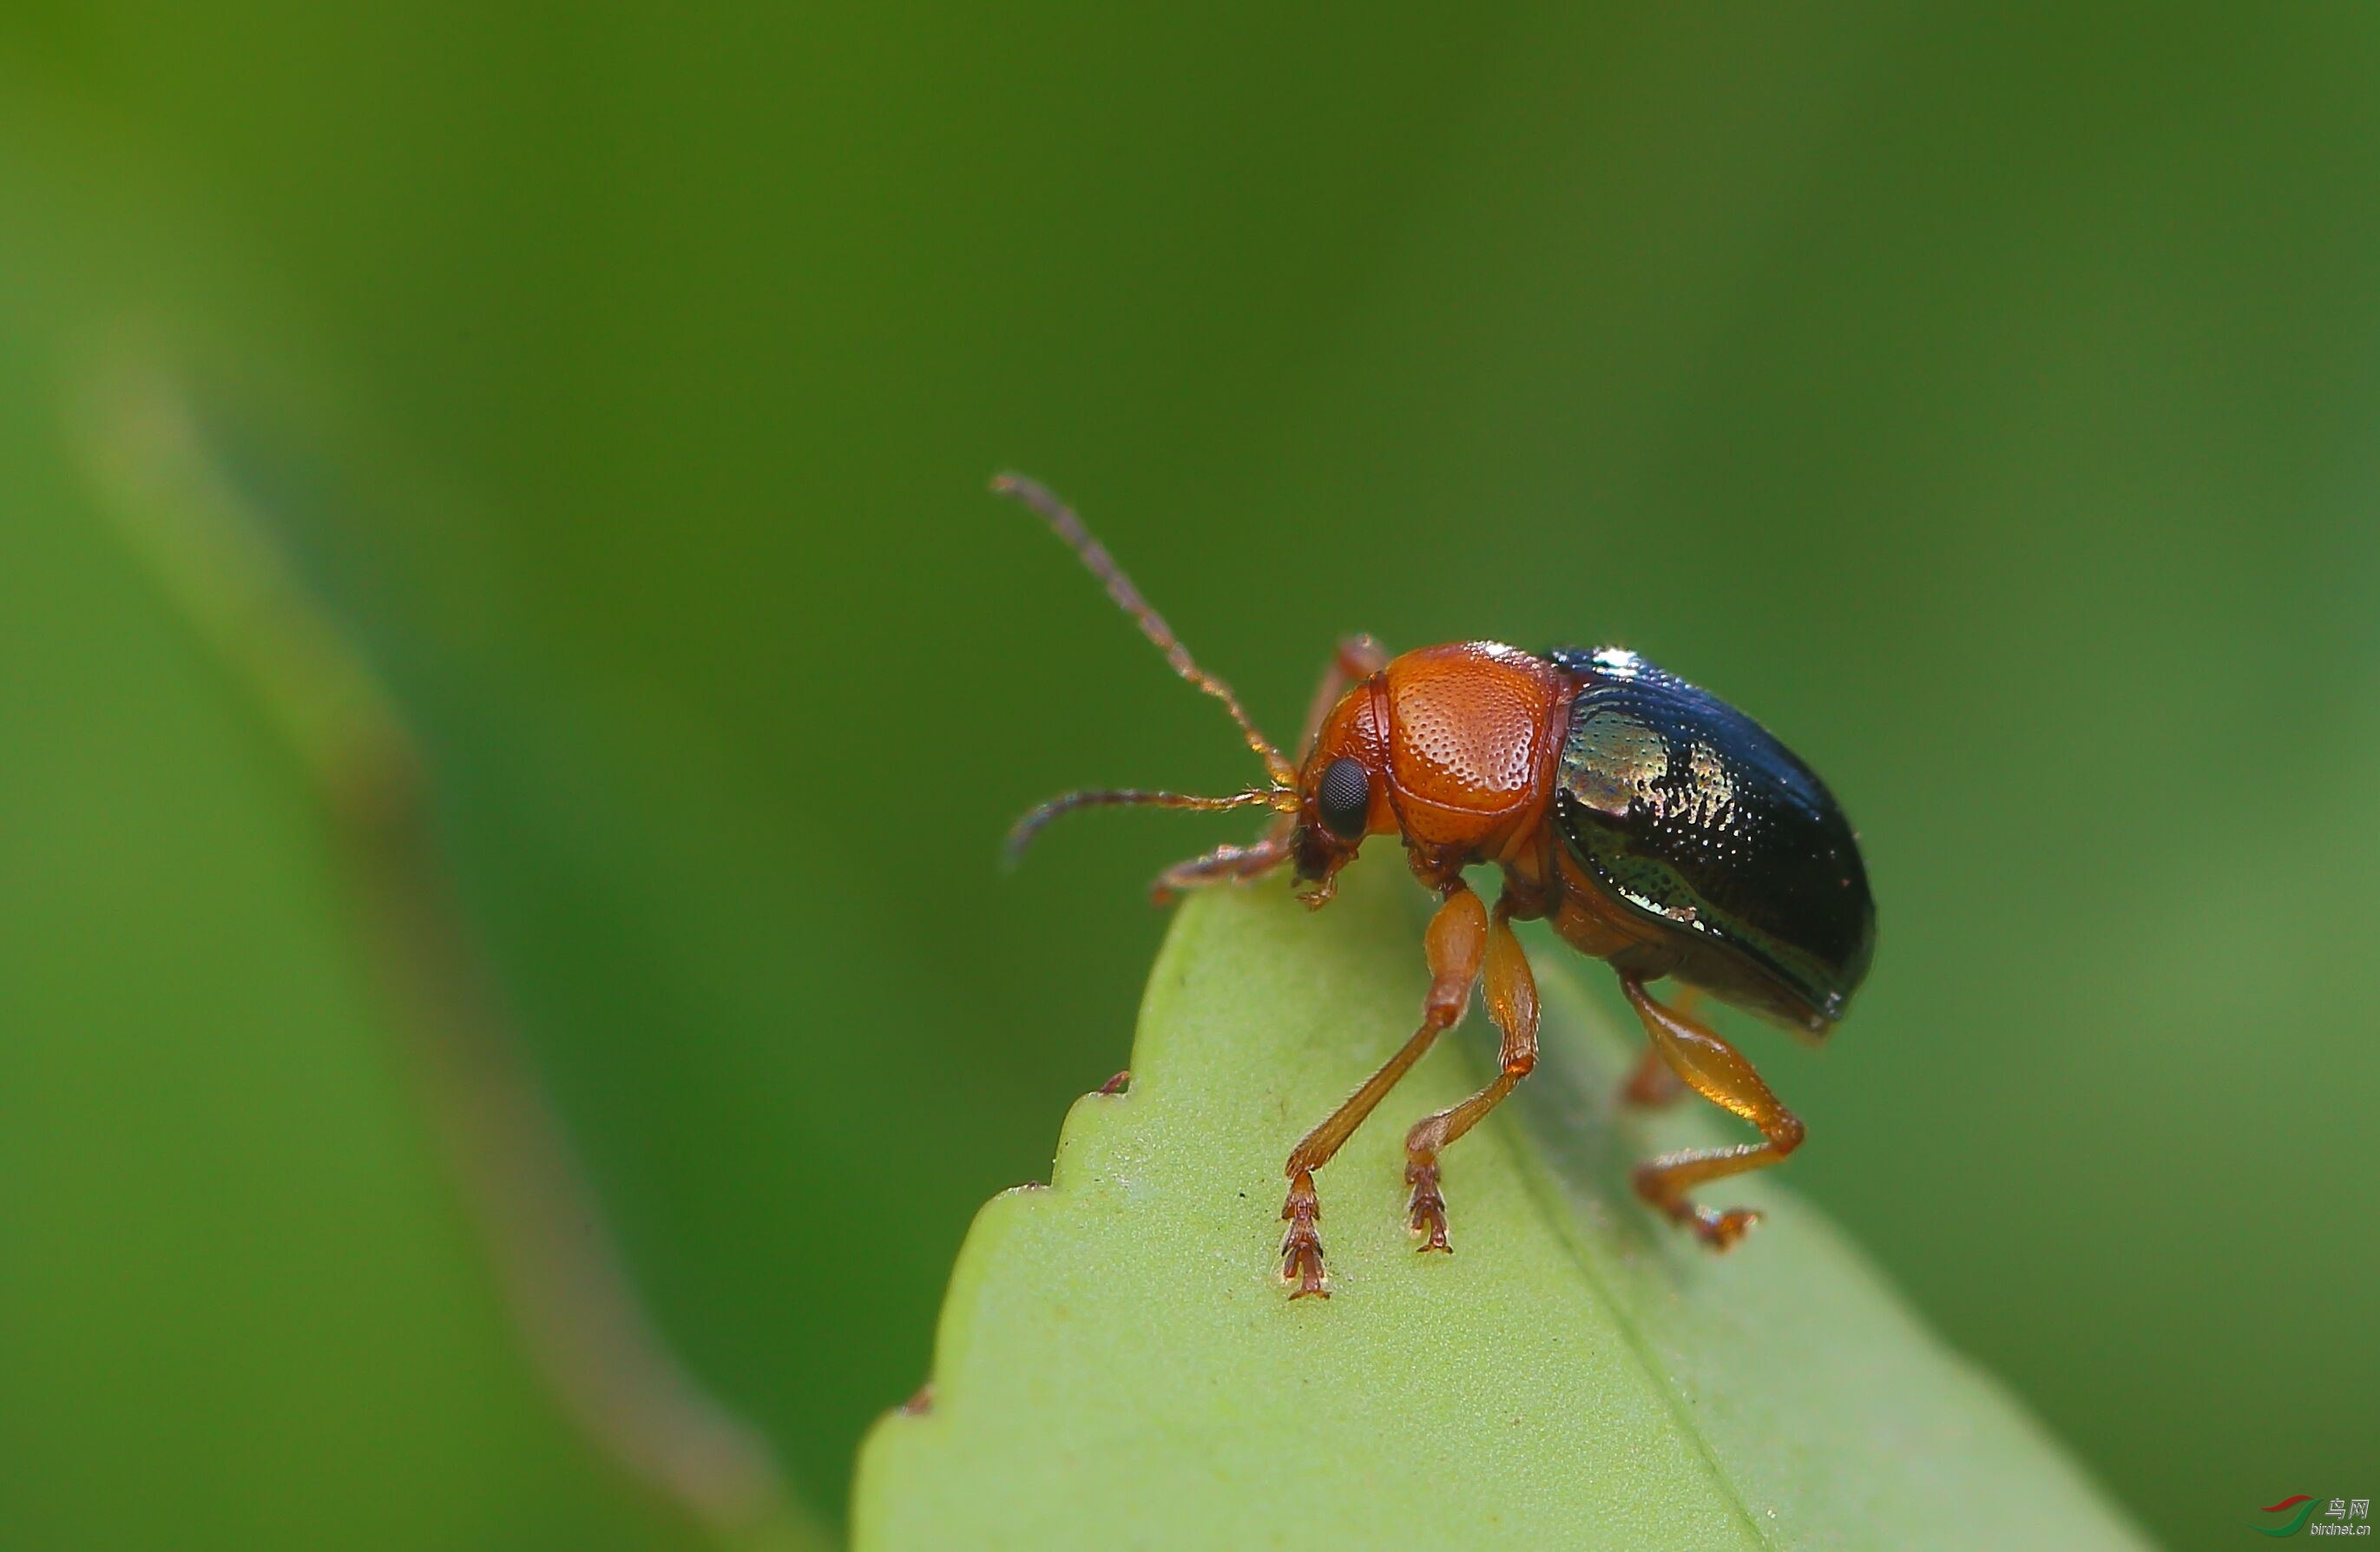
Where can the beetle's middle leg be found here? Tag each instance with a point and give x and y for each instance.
(1511, 996)
(1719, 1073)
(1457, 936)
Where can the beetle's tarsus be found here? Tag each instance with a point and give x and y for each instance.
(1720, 1231)
(1427, 1210)
(1301, 1248)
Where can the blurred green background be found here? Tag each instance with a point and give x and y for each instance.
(1989, 401)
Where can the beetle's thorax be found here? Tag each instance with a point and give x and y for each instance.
(1473, 734)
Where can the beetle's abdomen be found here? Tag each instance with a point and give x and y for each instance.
(1686, 813)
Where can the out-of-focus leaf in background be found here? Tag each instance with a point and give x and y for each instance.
(182, 515)
(1119, 1363)
(240, 1306)
(1990, 403)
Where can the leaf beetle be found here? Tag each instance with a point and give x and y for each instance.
(1654, 826)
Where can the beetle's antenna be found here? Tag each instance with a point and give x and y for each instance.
(1066, 525)
(1278, 799)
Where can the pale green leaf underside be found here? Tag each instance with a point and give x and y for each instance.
(1118, 1366)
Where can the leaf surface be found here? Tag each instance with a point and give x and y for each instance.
(1118, 1364)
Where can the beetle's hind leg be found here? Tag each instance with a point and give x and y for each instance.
(1512, 995)
(1656, 1084)
(1719, 1073)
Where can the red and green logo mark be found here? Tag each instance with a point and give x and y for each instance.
(2301, 1502)
(2351, 1517)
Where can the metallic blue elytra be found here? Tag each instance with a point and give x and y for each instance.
(1690, 815)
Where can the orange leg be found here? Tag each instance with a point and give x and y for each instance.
(1222, 863)
(1512, 994)
(1719, 1073)
(1358, 657)
(1655, 1083)
(1458, 936)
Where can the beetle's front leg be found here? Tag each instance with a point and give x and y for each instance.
(1222, 863)
(1358, 657)
(1719, 1073)
(1457, 938)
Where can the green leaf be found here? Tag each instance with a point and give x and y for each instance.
(1118, 1364)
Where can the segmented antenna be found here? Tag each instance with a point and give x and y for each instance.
(1021, 835)
(1066, 525)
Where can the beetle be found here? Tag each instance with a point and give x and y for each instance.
(1654, 826)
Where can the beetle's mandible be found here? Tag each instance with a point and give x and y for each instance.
(1653, 825)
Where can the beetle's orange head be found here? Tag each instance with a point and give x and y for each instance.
(1342, 792)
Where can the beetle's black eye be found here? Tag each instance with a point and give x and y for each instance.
(1344, 801)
